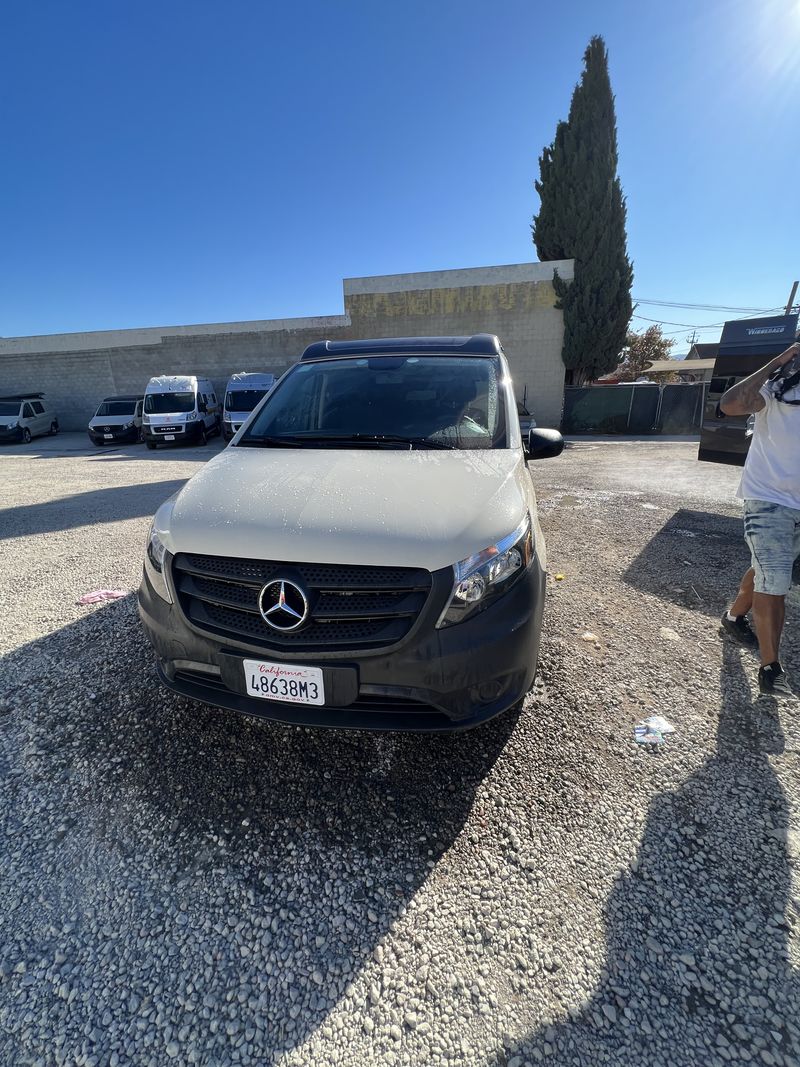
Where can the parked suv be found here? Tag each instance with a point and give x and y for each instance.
(366, 552)
(26, 415)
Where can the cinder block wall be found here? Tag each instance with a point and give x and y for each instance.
(516, 302)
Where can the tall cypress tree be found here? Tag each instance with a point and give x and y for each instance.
(582, 217)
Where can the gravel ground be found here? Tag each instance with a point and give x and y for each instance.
(182, 885)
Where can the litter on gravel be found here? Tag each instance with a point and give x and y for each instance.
(102, 594)
(652, 731)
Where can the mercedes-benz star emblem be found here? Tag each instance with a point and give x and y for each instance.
(283, 605)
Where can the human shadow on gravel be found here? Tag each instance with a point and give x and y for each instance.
(246, 872)
(697, 954)
(695, 560)
(110, 504)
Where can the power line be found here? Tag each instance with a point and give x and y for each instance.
(697, 307)
(690, 325)
(694, 325)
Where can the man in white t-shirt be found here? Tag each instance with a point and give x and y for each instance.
(770, 488)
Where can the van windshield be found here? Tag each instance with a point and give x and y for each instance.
(116, 407)
(9, 407)
(167, 403)
(385, 401)
(243, 399)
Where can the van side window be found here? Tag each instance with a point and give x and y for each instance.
(27, 411)
(38, 407)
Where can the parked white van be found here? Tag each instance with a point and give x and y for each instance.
(118, 420)
(179, 408)
(366, 553)
(243, 394)
(26, 415)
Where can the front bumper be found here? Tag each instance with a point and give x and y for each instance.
(7, 434)
(118, 436)
(183, 433)
(434, 681)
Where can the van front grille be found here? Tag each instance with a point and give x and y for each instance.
(350, 607)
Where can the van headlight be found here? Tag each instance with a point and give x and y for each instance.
(481, 579)
(154, 564)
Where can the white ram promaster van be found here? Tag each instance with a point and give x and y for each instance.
(242, 395)
(179, 407)
(366, 552)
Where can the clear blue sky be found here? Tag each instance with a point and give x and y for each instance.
(180, 162)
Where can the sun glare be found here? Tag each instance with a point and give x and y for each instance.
(779, 38)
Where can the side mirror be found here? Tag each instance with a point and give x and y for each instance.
(544, 444)
(201, 407)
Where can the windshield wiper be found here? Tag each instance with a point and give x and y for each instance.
(270, 441)
(294, 440)
(375, 438)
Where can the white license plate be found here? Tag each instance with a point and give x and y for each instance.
(108, 436)
(169, 436)
(285, 682)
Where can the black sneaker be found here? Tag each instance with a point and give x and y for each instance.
(740, 629)
(772, 681)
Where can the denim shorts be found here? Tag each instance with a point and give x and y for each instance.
(772, 532)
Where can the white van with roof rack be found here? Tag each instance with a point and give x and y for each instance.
(366, 553)
(179, 408)
(26, 415)
(243, 394)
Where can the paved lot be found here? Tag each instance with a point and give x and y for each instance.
(181, 885)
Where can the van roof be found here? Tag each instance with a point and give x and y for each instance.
(244, 377)
(479, 344)
(174, 382)
(118, 396)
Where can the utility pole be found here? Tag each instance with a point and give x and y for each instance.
(692, 340)
(790, 305)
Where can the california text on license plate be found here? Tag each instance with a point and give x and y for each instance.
(284, 681)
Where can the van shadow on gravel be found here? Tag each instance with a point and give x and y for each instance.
(243, 872)
(697, 954)
(111, 504)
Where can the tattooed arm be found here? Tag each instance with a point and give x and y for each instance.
(744, 398)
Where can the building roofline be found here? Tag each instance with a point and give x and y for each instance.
(459, 278)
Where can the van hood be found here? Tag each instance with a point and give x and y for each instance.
(379, 507)
(7, 420)
(168, 419)
(111, 420)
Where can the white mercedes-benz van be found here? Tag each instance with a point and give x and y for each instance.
(179, 408)
(244, 392)
(117, 420)
(26, 415)
(366, 552)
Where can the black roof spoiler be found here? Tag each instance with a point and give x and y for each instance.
(479, 344)
(22, 396)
